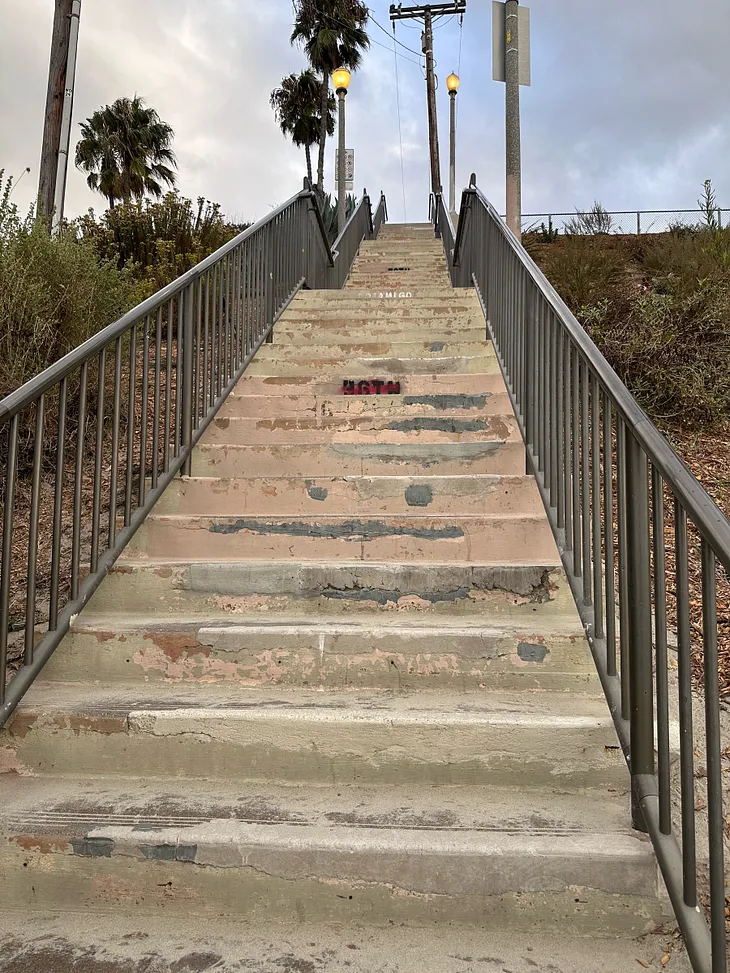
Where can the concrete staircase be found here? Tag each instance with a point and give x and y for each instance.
(338, 675)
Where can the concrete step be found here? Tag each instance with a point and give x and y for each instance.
(376, 368)
(505, 539)
(356, 331)
(410, 385)
(243, 430)
(323, 855)
(231, 589)
(263, 945)
(331, 347)
(272, 405)
(361, 495)
(360, 459)
(448, 302)
(230, 733)
(367, 652)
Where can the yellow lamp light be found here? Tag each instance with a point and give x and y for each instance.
(452, 82)
(341, 79)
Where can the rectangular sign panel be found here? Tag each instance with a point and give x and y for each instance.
(499, 41)
(349, 168)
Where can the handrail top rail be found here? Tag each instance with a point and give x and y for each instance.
(698, 504)
(36, 386)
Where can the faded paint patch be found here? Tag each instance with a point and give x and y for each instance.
(348, 530)
(169, 853)
(93, 847)
(419, 495)
(437, 346)
(315, 492)
(428, 424)
(532, 652)
(177, 647)
(382, 596)
(445, 402)
(46, 844)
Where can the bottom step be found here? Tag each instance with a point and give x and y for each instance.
(484, 857)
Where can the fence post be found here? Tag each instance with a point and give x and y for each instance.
(188, 352)
(638, 223)
(638, 586)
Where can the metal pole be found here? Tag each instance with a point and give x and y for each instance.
(433, 135)
(512, 111)
(68, 104)
(55, 98)
(341, 196)
(452, 158)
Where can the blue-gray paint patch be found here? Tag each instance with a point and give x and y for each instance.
(431, 424)
(531, 652)
(348, 530)
(437, 345)
(445, 402)
(93, 847)
(382, 596)
(315, 492)
(169, 853)
(419, 495)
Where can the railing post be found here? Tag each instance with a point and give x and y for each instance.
(188, 353)
(641, 758)
(638, 224)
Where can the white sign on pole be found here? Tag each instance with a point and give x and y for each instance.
(349, 168)
(499, 33)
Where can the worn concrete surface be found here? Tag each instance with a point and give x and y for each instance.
(72, 943)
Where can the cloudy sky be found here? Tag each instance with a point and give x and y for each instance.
(629, 102)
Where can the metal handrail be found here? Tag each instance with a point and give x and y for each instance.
(117, 418)
(607, 477)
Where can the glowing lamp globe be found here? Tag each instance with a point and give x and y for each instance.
(452, 82)
(341, 79)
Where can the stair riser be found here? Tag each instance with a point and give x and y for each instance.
(347, 305)
(243, 431)
(272, 406)
(221, 590)
(321, 745)
(361, 496)
(352, 459)
(430, 350)
(377, 368)
(354, 332)
(506, 541)
(298, 657)
(298, 887)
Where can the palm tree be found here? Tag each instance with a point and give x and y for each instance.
(332, 34)
(126, 151)
(296, 105)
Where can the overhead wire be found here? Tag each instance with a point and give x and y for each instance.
(341, 23)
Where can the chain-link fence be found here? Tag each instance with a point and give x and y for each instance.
(596, 221)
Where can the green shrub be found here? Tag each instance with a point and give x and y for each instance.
(584, 273)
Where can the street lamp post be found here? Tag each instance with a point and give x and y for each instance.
(452, 83)
(341, 81)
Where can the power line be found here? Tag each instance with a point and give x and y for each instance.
(395, 39)
(341, 23)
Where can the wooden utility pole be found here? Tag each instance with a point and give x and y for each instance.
(54, 106)
(427, 12)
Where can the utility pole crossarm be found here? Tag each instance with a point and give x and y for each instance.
(399, 12)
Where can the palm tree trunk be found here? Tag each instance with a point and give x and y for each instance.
(323, 133)
(308, 150)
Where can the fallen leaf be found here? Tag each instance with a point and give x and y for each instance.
(642, 963)
(665, 959)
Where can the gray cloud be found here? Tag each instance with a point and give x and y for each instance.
(628, 105)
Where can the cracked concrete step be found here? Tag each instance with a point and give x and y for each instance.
(365, 495)
(340, 869)
(370, 652)
(250, 431)
(410, 385)
(353, 331)
(385, 368)
(430, 350)
(451, 304)
(506, 539)
(271, 406)
(360, 459)
(221, 732)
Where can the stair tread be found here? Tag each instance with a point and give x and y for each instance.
(537, 708)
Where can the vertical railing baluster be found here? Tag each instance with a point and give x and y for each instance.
(621, 505)
(585, 484)
(58, 506)
(660, 638)
(131, 425)
(156, 403)
(35, 503)
(598, 628)
(78, 485)
(206, 401)
(567, 444)
(6, 566)
(555, 424)
(189, 365)
(686, 731)
(98, 463)
(716, 820)
(142, 485)
(575, 393)
(608, 521)
(179, 355)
